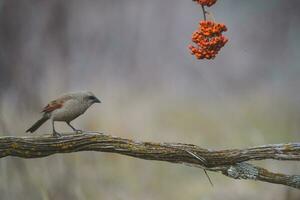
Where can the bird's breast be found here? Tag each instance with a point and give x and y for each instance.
(69, 111)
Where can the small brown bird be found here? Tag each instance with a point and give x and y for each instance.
(66, 108)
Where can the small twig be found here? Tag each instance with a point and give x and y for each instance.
(203, 161)
(210, 16)
(204, 12)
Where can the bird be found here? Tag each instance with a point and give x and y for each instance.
(65, 108)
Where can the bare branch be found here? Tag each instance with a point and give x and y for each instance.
(229, 162)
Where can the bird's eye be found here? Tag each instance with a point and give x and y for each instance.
(91, 98)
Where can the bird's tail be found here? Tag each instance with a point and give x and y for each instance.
(37, 124)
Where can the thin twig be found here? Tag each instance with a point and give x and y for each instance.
(204, 12)
(204, 161)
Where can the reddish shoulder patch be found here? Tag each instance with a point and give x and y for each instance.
(53, 105)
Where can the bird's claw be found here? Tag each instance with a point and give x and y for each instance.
(78, 131)
(56, 134)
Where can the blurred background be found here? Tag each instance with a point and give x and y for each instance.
(133, 55)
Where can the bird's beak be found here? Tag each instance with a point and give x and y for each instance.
(97, 100)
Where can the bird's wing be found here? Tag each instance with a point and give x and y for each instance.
(56, 104)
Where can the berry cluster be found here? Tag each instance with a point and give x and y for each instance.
(206, 2)
(209, 40)
(208, 37)
(209, 28)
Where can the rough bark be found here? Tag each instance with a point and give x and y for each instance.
(230, 162)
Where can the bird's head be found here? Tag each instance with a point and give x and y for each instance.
(90, 98)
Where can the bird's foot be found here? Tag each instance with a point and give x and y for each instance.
(97, 132)
(56, 134)
(77, 131)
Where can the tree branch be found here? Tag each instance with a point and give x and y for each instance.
(229, 162)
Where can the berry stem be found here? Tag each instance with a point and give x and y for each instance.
(204, 12)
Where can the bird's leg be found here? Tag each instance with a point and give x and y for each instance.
(55, 134)
(74, 129)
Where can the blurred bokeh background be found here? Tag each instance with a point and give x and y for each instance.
(133, 55)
